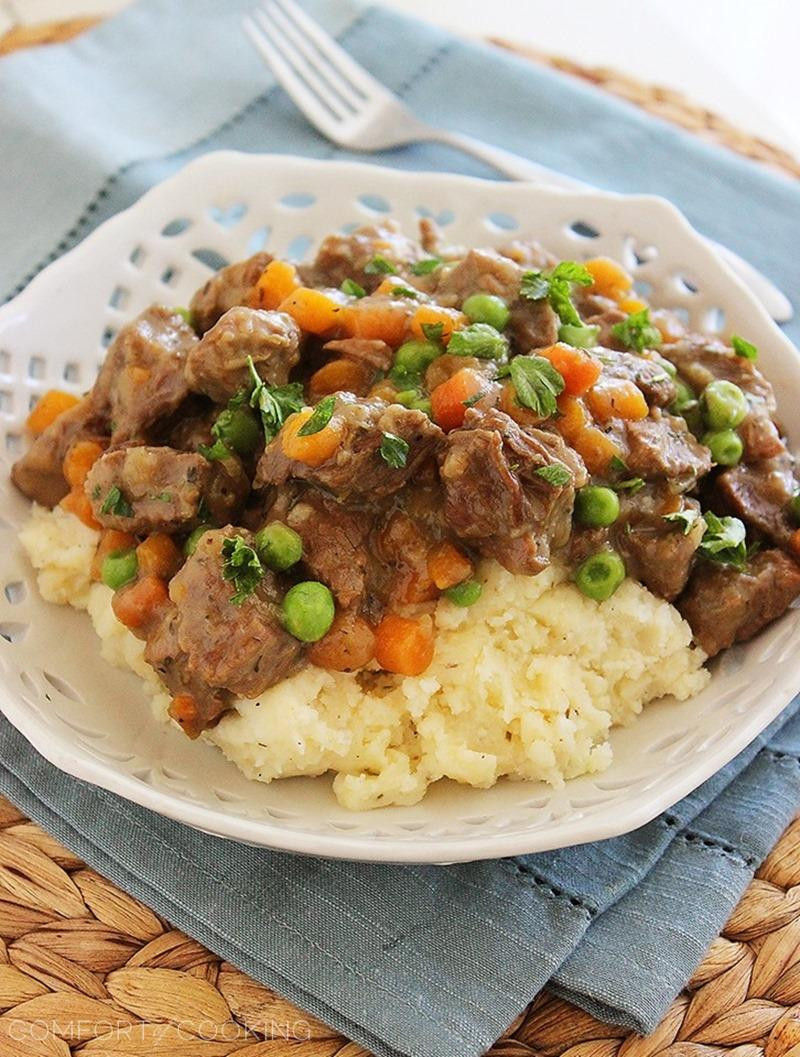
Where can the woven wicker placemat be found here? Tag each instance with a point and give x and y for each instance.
(86, 969)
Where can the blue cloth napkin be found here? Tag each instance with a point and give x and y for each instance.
(421, 961)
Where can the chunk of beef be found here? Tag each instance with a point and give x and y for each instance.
(242, 647)
(38, 473)
(375, 353)
(144, 489)
(496, 499)
(645, 372)
(142, 379)
(217, 365)
(657, 552)
(228, 288)
(661, 446)
(357, 470)
(533, 324)
(528, 253)
(227, 489)
(724, 605)
(401, 576)
(700, 360)
(759, 494)
(196, 706)
(760, 437)
(602, 312)
(335, 543)
(343, 257)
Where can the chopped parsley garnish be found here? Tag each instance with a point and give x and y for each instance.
(637, 332)
(115, 503)
(743, 348)
(537, 384)
(163, 497)
(394, 451)
(434, 332)
(479, 340)
(405, 291)
(242, 567)
(97, 492)
(216, 452)
(555, 285)
(350, 286)
(426, 266)
(404, 378)
(471, 401)
(186, 315)
(320, 417)
(618, 465)
(685, 518)
(724, 540)
(555, 474)
(379, 266)
(273, 402)
(632, 485)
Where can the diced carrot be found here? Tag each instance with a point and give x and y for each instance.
(794, 544)
(572, 416)
(158, 555)
(111, 541)
(185, 711)
(447, 399)
(448, 565)
(313, 449)
(632, 304)
(77, 503)
(450, 318)
(403, 645)
(316, 311)
(80, 458)
(619, 398)
(524, 416)
(669, 325)
(277, 282)
(349, 376)
(349, 645)
(377, 320)
(596, 449)
(48, 407)
(610, 279)
(136, 605)
(578, 369)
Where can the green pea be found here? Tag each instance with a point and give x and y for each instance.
(406, 397)
(486, 308)
(238, 430)
(724, 405)
(119, 568)
(579, 336)
(725, 446)
(279, 546)
(596, 506)
(190, 546)
(684, 397)
(465, 594)
(308, 610)
(600, 575)
(794, 507)
(415, 356)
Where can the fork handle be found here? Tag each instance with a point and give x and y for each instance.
(504, 161)
(774, 300)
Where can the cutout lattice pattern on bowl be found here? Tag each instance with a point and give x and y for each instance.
(95, 722)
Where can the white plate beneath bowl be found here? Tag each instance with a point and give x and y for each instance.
(94, 721)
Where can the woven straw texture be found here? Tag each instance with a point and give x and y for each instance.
(86, 969)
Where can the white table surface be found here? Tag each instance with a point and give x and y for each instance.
(737, 57)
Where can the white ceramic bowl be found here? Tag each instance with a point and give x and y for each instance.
(95, 722)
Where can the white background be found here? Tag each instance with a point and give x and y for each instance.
(740, 58)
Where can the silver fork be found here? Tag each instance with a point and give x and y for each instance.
(354, 110)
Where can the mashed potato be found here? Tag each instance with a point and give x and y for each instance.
(525, 683)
